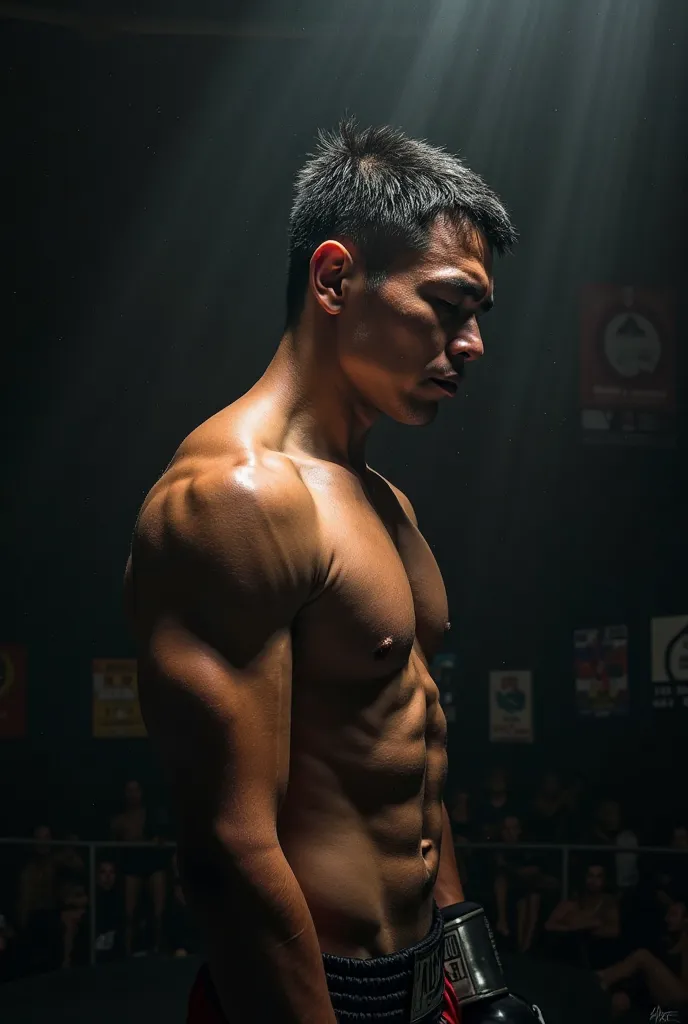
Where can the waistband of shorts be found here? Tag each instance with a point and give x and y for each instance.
(380, 988)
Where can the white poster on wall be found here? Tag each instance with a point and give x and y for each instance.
(511, 707)
(670, 662)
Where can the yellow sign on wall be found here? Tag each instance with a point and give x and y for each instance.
(116, 709)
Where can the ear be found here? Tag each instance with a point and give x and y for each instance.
(332, 267)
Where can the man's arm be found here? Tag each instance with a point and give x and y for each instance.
(560, 920)
(222, 562)
(448, 888)
(608, 928)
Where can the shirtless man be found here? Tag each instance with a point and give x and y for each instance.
(287, 608)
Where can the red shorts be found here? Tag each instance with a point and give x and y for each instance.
(205, 1009)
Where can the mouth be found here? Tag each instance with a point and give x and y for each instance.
(442, 385)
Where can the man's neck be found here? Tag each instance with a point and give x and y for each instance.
(326, 418)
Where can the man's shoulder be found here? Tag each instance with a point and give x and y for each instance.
(229, 505)
(211, 485)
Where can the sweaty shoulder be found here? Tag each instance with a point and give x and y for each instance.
(232, 523)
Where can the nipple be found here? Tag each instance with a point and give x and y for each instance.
(383, 649)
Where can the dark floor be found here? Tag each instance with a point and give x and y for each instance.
(140, 991)
(149, 991)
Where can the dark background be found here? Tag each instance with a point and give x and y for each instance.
(146, 193)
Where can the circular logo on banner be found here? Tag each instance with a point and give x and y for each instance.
(6, 674)
(676, 658)
(631, 344)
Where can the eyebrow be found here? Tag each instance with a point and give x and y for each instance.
(468, 288)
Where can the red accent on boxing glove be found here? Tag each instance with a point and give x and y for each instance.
(451, 1013)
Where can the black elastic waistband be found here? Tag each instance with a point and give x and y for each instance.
(379, 989)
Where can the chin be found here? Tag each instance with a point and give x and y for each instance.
(415, 414)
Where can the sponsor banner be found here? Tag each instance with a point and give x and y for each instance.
(628, 365)
(511, 707)
(116, 710)
(12, 692)
(601, 671)
(670, 662)
(443, 671)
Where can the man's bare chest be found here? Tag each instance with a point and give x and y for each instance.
(381, 597)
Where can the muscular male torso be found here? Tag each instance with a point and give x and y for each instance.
(361, 820)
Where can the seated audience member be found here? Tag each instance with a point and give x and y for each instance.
(109, 939)
(69, 863)
(37, 879)
(180, 930)
(607, 829)
(547, 823)
(548, 810)
(589, 923)
(672, 870)
(145, 865)
(645, 980)
(497, 804)
(58, 938)
(517, 897)
(573, 799)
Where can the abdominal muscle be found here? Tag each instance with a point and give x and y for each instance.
(359, 832)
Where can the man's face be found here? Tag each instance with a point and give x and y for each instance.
(594, 879)
(106, 876)
(419, 324)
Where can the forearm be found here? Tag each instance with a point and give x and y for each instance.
(448, 888)
(264, 956)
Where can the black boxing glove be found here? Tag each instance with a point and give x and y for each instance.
(472, 964)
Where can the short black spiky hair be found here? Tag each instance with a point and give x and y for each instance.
(382, 190)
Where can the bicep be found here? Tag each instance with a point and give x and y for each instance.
(222, 732)
(223, 564)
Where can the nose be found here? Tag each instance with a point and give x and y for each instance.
(468, 343)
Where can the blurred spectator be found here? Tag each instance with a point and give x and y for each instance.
(643, 979)
(516, 892)
(548, 811)
(180, 931)
(109, 939)
(672, 873)
(37, 879)
(69, 864)
(573, 807)
(58, 938)
(497, 804)
(607, 829)
(589, 923)
(141, 865)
